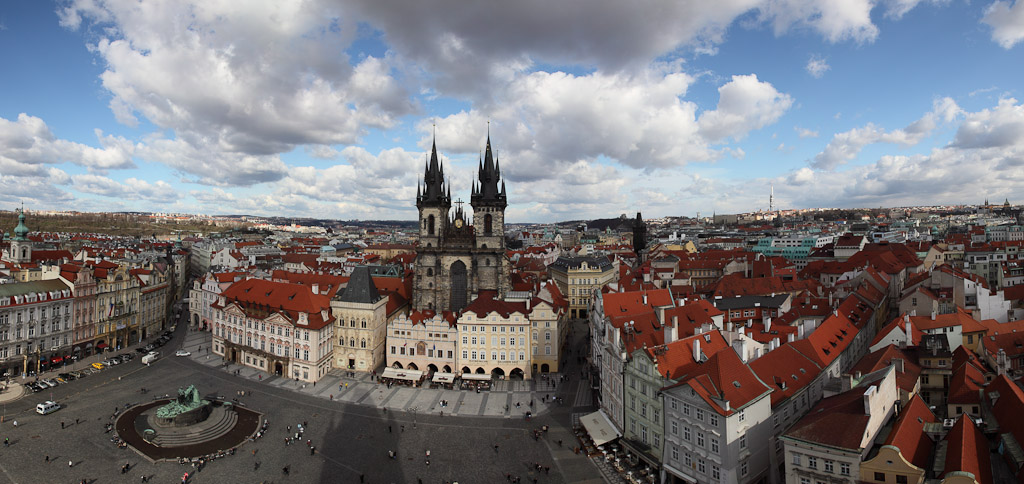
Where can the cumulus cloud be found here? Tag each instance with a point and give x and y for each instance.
(1007, 22)
(847, 145)
(244, 83)
(208, 166)
(835, 21)
(817, 66)
(28, 142)
(744, 104)
(640, 121)
(1000, 127)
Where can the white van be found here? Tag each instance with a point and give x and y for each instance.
(47, 407)
(150, 357)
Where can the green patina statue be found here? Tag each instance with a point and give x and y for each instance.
(188, 400)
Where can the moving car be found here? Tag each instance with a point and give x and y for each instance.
(182, 353)
(47, 407)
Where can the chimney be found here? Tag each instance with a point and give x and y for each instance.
(792, 337)
(645, 299)
(910, 333)
(528, 301)
(830, 299)
(767, 324)
(696, 350)
(933, 315)
(847, 380)
(671, 331)
(898, 363)
(867, 400)
(316, 288)
(799, 331)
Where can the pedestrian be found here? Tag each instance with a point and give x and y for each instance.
(285, 470)
(7, 441)
(70, 463)
(76, 421)
(47, 457)
(332, 397)
(312, 450)
(62, 425)
(495, 448)
(362, 478)
(389, 429)
(403, 428)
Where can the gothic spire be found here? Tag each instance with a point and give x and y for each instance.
(433, 181)
(488, 175)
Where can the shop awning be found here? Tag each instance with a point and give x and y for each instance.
(443, 377)
(599, 427)
(56, 359)
(475, 377)
(101, 345)
(408, 375)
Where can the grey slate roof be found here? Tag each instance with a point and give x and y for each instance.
(360, 287)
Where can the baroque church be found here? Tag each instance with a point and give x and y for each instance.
(460, 254)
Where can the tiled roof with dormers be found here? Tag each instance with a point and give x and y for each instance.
(260, 299)
(786, 371)
(675, 360)
(724, 377)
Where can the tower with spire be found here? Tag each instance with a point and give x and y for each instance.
(458, 256)
(21, 246)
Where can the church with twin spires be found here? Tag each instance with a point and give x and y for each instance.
(460, 254)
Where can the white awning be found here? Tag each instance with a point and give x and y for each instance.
(600, 428)
(475, 377)
(443, 377)
(397, 374)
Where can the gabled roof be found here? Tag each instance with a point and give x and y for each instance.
(960, 318)
(828, 340)
(899, 324)
(908, 433)
(725, 377)
(966, 381)
(675, 359)
(905, 380)
(967, 451)
(786, 371)
(837, 421)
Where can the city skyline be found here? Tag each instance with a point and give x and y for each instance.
(329, 110)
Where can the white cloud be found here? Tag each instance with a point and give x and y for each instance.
(129, 189)
(211, 166)
(29, 141)
(246, 83)
(817, 66)
(805, 133)
(1000, 127)
(847, 145)
(1007, 22)
(834, 20)
(744, 104)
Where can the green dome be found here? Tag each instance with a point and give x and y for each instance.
(21, 231)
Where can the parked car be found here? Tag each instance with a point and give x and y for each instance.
(51, 382)
(182, 353)
(35, 387)
(99, 366)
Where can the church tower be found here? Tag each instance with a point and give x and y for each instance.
(458, 256)
(639, 237)
(21, 246)
(489, 201)
(434, 201)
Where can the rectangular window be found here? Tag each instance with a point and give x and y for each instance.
(675, 428)
(701, 466)
(844, 469)
(880, 476)
(700, 414)
(812, 462)
(829, 466)
(713, 419)
(796, 459)
(686, 433)
(700, 439)
(675, 453)
(743, 441)
(743, 468)
(714, 444)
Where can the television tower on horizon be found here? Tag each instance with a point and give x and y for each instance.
(771, 200)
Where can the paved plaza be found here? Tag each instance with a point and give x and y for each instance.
(352, 429)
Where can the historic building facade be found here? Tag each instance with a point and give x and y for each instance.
(458, 257)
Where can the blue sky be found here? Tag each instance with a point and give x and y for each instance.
(598, 107)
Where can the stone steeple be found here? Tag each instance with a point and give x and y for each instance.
(489, 191)
(433, 193)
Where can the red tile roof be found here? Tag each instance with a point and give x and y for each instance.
(837, 421)
(260, 298)
(675, 359)
(967, 450)
(906, 380)
(786, 370)
(725, 377)
(908, 433)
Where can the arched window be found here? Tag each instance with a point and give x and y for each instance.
(362, 343)
(487, 224)
(352, 342)
(430, 225)
(430, 272)
(364, 324)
